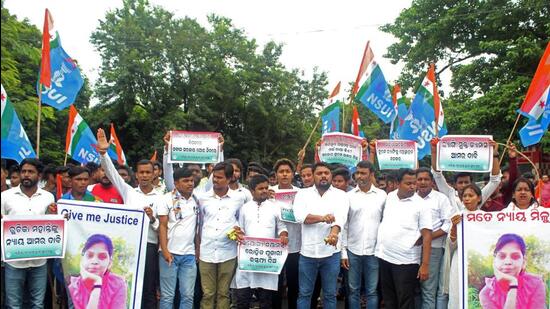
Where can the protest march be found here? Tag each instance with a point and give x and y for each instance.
(366, 198)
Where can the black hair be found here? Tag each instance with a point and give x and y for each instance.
(257, 169)
(182, 173)
(99, 239)
(341, 171)
(77, 170)
(403, 172)
(307, 166)
(92, 167)
(145, 162)
(510, 238)
(49, 169)
(14, 169)
(529, 184)
(124, 167)
(256, 180)
(63, 169)
(226, 167)
(283, 161)
(235, 161)
(365, 164)
(474, 188)
(461, 174)
(157, 164)
(34, 162)
(320, 164)
(425, 170)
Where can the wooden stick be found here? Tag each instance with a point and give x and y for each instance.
(38, 121)
(526, 158)
(509, 138)
(65, 161)
(311, 133)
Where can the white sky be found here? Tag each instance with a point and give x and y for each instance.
(328, 34)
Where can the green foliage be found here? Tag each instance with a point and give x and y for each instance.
(173, 73)
(492, 48)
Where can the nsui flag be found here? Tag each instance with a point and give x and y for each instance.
(15, 143)
(374, 92)
(80, 142)
(425, 112)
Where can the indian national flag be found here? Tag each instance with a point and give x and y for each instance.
(80, 142)
(116, 147)
(429, 89)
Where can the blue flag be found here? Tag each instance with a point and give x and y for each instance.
(15, 143)
(535, 129)
(66, 78)
(375, 95)
(330, 118)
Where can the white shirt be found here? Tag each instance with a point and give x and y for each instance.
(134, 197)
(259, 221)
(245, 192)
(182, 222)
(294, 229)
(401, 227)
(308, 201)
(364, 216)
(452, 194)
(15, 202)
(441, 211)
(512, 207)
(219, 216)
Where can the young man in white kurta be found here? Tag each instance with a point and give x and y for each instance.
(259, 218)
(322, 210)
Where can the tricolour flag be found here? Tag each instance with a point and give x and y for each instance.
(330, 118)
(15, 143)
(425, 115)
(535, 106)
(154, 156)
(80, 142)
(356, 128)
(400, 107)
(115, 148)
(374, 92)
(64, 78)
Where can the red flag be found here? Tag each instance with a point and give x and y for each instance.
(355, 122)
(45, 66)
(154, 157)
(114, 142)
(538, 190)
(59, 185)
(535, 100)
(438, 110)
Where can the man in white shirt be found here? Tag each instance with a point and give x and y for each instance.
(359, 236)
(234, 183)
(322, 210)
(219, 209)
(30, 277)
(404, 222)
(178, 239)
(145, 197)
(284, 172)
(259, 218)
(441, 211)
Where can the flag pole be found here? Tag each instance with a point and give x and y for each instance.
(65, 161)
(38, 121)
(525, 157)
(311, 133)
(510, 138)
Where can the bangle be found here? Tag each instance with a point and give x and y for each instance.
(496, 154)
(512, 287)
(97, 286)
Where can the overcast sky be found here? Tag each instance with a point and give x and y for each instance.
(328, 34)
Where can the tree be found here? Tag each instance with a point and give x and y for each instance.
(160, 72)
(492, 48)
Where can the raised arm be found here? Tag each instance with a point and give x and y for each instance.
(494, 180)
(110, 171)
(439, 179)
(167, 168)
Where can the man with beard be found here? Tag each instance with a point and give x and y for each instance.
(259, 218)
(104, 189)
(27, 277)
(404, 222)
(359, 237)
(80, 177)
(234, 183)
(322, 210)
(440, 209)
(143, 197)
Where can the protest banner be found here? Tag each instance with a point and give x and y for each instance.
(193, 147)
(341, 148)
(396, 154)
(287, 200)
(465, 153)
(262, 255)
(31, 238)
(514, 250)
(107, 241)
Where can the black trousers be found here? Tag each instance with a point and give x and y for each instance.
(244, 297)
(150, 277)
(398, 284)
(290, 271)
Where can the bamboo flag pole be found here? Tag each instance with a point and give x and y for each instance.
(38, 121)
(510, 138)
(311, 133)
(524, 156)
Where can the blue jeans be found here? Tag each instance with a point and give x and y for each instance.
(432, 288)
(363, 267)
(36, 279)
(184, 270)
(328, 267)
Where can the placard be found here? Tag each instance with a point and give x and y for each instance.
(341, 148)
(262, 255)
(31, 238)
(287, 200)
(396, 154)
(193, 147)
(465, 153)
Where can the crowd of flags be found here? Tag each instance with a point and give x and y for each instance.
(60, 82)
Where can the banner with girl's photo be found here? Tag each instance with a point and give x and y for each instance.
(504, 258)
(105, 255)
